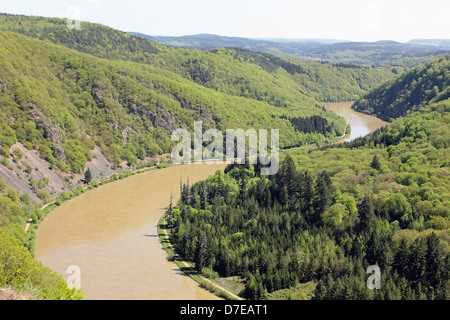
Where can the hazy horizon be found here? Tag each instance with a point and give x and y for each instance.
(287, 39)
(348, 20)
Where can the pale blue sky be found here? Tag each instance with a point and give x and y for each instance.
(355, 20)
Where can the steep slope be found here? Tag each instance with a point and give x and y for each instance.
(235, 72)
(21, 274)
(63, 104)
(94, 39)
(263, 76)
(418, 87)
(329, 214)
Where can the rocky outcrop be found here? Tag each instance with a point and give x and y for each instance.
(52, 132)
(10, 294)
(25, 174)
(98, 92)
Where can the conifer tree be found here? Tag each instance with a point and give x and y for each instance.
(436, 273)
(367, 216)
(375, 164)
(323, 194)
(88, 176)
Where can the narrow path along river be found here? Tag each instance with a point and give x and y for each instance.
(110, 232)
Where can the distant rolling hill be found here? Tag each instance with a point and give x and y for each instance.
(443, 44)
(278, 47)
(383, 53)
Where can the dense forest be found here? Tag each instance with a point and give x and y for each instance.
(123, 95)
(325, 218)
(322, 220)
(312, 124)
(412, 90)
(232, 71)
(18, 269)
(72, 102)
(296, 228)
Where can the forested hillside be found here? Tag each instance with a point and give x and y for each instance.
(61, 110)
(27, 277)
(71, 98)
(411, 91)
(321, 81)
(232, 71)
(329, 214)
(117, 103)
(63, 103)
(19, 272)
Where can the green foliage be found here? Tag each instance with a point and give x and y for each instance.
(88, 176)
(128, 109)
(75, 155)
(333, 217)
(326, 216)
(19, 270)
(43, 195)
(414, 89)
(7, 136)
(269, 231)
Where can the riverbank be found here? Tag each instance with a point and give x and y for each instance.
(361, 124)
(98, 223)
(111, 234)
(187, 268)
(184, 266)
(67, 195)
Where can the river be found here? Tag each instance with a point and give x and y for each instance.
(110, 233)
(362, 124)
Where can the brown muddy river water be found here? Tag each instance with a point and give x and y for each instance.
(110, 233)
(362, 124)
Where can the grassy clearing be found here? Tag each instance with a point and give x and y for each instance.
(233, 284)
(302, 291)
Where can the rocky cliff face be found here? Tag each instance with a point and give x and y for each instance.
(30, 173)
